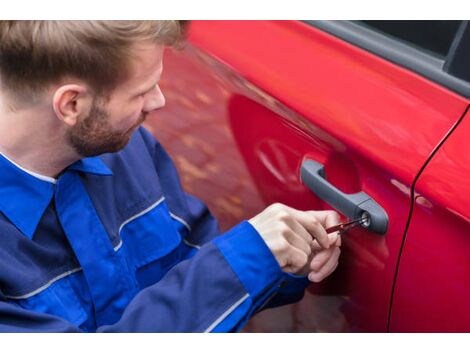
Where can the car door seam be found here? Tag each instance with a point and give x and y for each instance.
(412, 190)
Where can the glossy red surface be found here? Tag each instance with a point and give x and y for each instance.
(240, 119)
(433, 287)
(375, 107)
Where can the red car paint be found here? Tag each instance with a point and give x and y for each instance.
(248, 101)
(433, 289)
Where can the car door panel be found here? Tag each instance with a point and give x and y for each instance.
(282, 92)
(361, 99)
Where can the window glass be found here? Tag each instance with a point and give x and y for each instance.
(434, 37)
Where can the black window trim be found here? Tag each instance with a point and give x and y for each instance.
(427, 65)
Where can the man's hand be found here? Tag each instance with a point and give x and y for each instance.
(298, 239)
(323, 262)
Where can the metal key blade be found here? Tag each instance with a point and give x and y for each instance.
(345, 225)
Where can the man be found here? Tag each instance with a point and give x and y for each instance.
(96, 231)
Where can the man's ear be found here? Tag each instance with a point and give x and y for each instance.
(70, 102)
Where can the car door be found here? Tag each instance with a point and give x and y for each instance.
(252, 105)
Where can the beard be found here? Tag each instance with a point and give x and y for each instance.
(94, 134)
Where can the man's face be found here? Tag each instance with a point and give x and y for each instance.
(110, 123)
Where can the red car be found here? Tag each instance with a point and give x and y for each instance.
(367, 117)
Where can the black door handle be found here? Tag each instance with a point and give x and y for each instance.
(353, 206)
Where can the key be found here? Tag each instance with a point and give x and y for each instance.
(345, 226)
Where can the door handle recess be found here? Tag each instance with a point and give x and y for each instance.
(353, 205)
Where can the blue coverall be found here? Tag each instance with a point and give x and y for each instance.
(114, 244)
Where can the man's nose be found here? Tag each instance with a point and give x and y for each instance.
(154, 100)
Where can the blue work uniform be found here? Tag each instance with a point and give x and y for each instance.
(115, 245)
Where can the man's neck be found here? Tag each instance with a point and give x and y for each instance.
(42, 163)
(33, 139)
(35, 174)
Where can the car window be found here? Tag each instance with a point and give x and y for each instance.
(434, 37)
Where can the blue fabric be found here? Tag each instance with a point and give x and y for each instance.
(117, 245)
(239, 317)
(241, 244)
(61, 296)
(143, 243)
(101, 266)
(23, 198)
(92, 165)
(287, 288)
(291, 290)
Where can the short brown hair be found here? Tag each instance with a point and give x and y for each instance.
(35, 54)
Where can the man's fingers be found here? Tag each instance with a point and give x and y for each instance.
(300, 230)
(317, 277)
(295, 260)
(312, 224)
(292, 235)
(329, 218)
(299, 240)
(332, 218)
(320, 259)
(337, 242)
(334, 238)
(327, 268)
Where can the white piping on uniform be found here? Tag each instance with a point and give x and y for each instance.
(119, 245)
(227, 312)
(181, 221)
(191, 244)
(177, 218)
(140, 214)
(42, 288)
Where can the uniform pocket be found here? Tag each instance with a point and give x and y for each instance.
(57, 298)
(149, 235)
